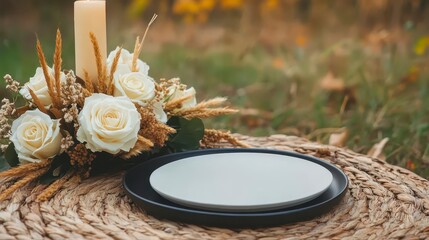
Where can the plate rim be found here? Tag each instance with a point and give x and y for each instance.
(233, 219)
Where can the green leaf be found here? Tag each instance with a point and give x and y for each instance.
(3, 164)
(188, 135)
(62, 162)
(11, 156)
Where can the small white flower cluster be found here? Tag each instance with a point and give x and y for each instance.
(70, 114)
(6, 110)
(71, 91)
(11, 84)
(7, 107)
(66, 143)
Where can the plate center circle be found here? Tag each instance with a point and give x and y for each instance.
(241, 181)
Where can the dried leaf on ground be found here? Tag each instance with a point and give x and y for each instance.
(330, 83)
(377, 150)
(339, 139)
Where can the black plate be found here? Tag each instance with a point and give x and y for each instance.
(137, 186)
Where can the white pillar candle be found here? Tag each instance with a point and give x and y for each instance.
(89, 16)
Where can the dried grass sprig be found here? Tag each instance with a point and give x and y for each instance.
(48, 192)
(216, 136)
(136, 54)
(134, 67)
(143, 144)
(101, 68)
(205, 112)
(152, 129)
(215, 102)
(48, 78)
(57, 113)
(37, 101)
(57, 64)
(22, 182)
(176, 103)
(22, 110)
(112, 71)
(25, 168)
(88, 82)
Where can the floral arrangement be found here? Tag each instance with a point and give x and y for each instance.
(71, 128)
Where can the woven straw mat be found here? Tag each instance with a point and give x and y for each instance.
(382, 202)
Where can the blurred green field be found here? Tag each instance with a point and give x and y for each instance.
(370, 81)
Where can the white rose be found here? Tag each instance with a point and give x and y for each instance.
(39, 87)
(36, 136)
(174, 92)
(159, 112)
(137, 86)
(108, 123)
(126, 61)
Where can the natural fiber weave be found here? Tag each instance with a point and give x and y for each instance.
(382, 202)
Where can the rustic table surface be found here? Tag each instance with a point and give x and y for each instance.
(383, 202)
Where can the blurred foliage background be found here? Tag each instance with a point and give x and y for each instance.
(352, 73)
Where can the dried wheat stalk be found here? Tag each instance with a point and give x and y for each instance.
(25, 168)
(57, 64)
(37, 101)
(48, 192)
(88, 82)
(215, 136)
(135, 55)
(22, 182)
(143, 144)
(48, 78)
(205, 112)
(176, 103)
(101, 68)
(139, 46)
(112, 71)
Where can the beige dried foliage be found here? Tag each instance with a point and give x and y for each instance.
(110, 85)
(57, 113)
(134, 67)
(37, 101)
(377, 150)
(48, 192)
(176, 103)
(101, 68)
(150, 128)
(25, 169)
(57, 64)
(330, 83)
(48, 78)
(30, 176)
(139, 45)
(143, 144)
(88, 82)
(339, 139)
(206, 112)
(213, 136)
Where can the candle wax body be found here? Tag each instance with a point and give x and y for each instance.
(89, 16)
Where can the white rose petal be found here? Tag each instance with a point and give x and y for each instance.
(175, 93)
(36, 136)
(137, 86)
(108, 123)
(159, 112)
(38, 84)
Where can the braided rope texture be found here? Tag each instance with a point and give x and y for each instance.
(383, 202)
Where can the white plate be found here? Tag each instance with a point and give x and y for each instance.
(241, 181)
